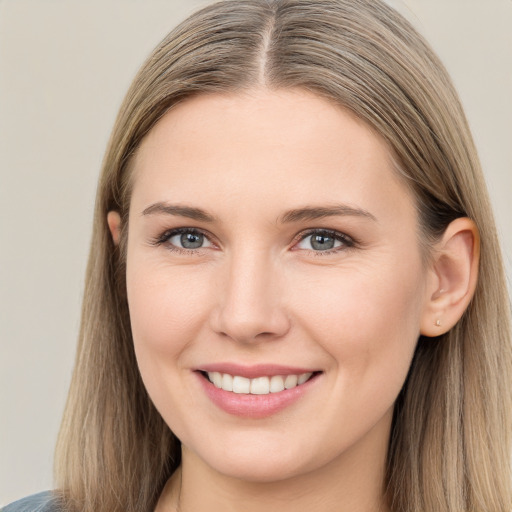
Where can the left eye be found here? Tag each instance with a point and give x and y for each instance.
(189, 239)
(322, 241)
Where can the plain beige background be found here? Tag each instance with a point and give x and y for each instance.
(64, 67)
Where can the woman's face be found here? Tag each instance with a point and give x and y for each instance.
(270, 242)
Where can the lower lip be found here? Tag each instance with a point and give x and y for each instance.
(255, 406)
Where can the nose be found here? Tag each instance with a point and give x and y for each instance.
(250, 300)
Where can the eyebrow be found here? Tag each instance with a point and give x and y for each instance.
(295, 215)
(181, 211)
(319, 212)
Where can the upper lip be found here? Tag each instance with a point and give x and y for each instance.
(253, 371)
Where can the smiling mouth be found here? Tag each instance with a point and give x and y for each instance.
(258, 386)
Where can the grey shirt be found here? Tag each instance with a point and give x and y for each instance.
(41, 502)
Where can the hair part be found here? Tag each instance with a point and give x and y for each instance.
(450, 443)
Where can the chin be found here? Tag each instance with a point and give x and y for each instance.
(261, 471)
(261, 460)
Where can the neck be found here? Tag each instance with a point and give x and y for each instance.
(353, 482)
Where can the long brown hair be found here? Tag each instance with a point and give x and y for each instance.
(450, 442)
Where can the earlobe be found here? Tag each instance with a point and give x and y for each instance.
(114, 225)
(454, 275)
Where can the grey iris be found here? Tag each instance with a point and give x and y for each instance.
(322, 242)
(191, 240)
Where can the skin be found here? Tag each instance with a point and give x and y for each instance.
(258, 292)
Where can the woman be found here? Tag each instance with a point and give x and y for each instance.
(295, 297)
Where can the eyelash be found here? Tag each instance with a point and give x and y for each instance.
(347, 241)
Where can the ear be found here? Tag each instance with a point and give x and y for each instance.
(453, 277)
(114, 225)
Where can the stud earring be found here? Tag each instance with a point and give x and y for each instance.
(438, 323)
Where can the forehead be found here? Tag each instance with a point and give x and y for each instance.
(287, 145)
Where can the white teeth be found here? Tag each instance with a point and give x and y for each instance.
(276, 384)
(227, 382)
(241, 384)
(216, 378)
(259, 385)
(303, 377)
(290, 381)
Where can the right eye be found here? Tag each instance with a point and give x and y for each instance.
(184, 239)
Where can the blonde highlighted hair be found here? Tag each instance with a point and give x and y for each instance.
(450, 441)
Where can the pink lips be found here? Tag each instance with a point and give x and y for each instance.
(254, 406)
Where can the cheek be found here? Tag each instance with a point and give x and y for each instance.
(167, 307)
(368, 322)
(167, 313)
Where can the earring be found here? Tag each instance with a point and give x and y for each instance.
(438, 323)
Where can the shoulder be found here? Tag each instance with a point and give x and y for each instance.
(41, 502)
